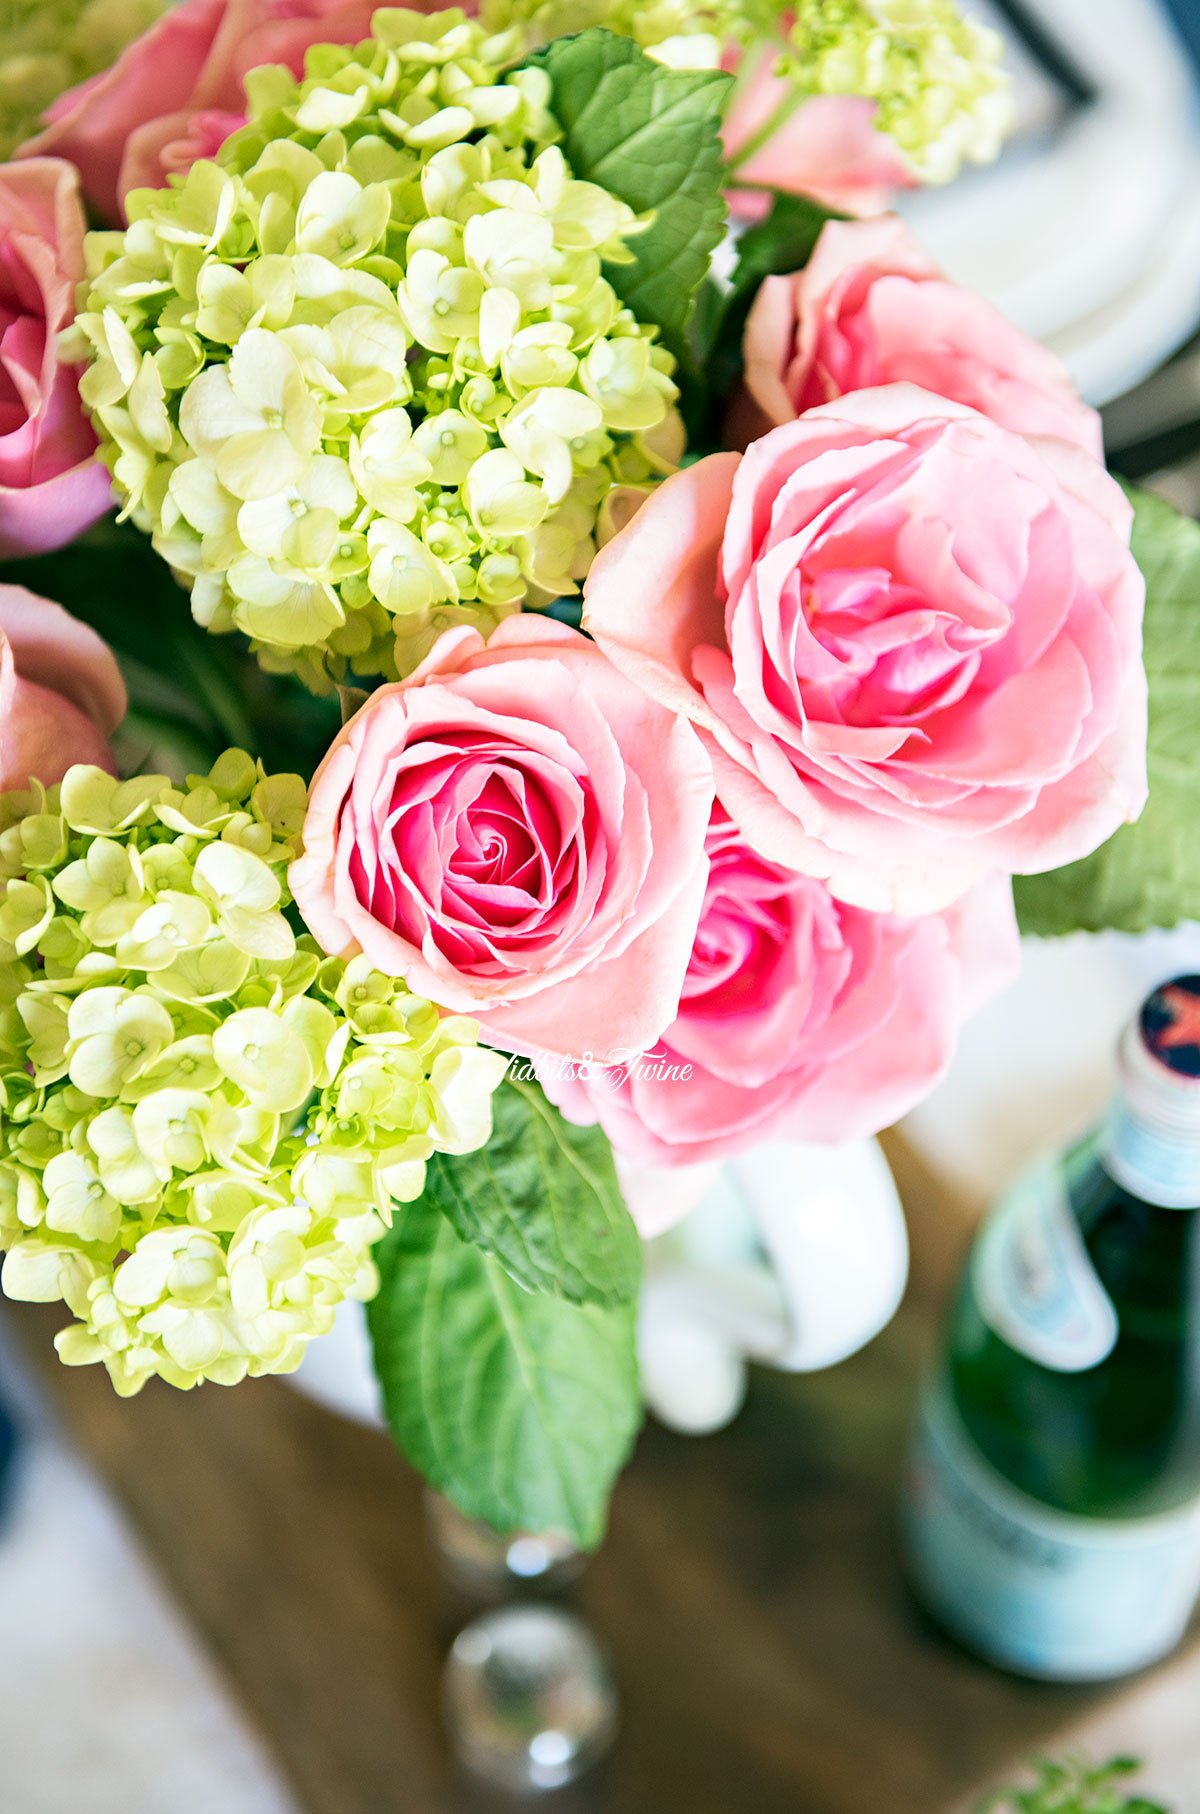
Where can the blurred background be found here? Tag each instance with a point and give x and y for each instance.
(228, 1605)
(1087, 230)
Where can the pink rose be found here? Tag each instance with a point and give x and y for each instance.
(61, 692)
(519, 833)
(909, 638)
(51, 484)
(871, 309)
(176, 93)
(827, 148)
(801, 1018)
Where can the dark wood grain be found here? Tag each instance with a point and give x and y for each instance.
(769, 1658)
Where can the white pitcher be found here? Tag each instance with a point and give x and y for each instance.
(791, 1255)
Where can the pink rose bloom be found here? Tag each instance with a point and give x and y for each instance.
(51, 484)
(176, 93)
(869, 309)
(827, 148)
(519, 833)
(801, 1018)
(910, 639)
(61, 692)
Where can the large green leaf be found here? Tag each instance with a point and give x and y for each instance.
(1148, 874)
(519, 1406)
(543, 1197)
(651, 136)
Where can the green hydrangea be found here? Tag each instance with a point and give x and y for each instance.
(47, 46)
(934, 74)
(661, 25)
(362, 378)
(204, 1122)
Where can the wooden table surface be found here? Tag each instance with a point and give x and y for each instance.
(769, 1658)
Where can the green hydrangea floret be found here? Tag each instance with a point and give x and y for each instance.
(204, 1121)
(362, 377)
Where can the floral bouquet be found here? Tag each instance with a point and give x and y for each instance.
(595, 625)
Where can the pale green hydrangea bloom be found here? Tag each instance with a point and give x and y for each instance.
(363, 378)
(688, 33)
(47, 46)
(934, 73)
(204, 1122)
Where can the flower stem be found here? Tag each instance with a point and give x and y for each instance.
(779, 118)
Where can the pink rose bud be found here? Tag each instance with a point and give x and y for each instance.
(870, 308)
(518, 832)
(801, 1018)
(51, 484)
(61, 692)
(910, 639)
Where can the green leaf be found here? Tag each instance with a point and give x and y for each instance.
(1071, 1787)
(1148, 874)
(777, 246)
(651, 136)
(543, 1198)
(351, 700)
(520, 1407)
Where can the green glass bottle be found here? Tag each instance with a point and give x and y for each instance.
(1052, 1516)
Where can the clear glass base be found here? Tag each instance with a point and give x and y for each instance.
(529, 1697)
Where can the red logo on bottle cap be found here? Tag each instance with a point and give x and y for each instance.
(1170, 1025)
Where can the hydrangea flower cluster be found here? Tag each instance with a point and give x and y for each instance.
(666, 27)
(941, 95)
(204, 1121)
(362, 378)
(936, 77)
(50, 45)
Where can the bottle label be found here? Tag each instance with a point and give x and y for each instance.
(1033, 1278)
(1073, 1599)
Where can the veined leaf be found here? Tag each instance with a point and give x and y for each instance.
(651, 136)
(1148, 874)
(519, 1406)
(543, 1198)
